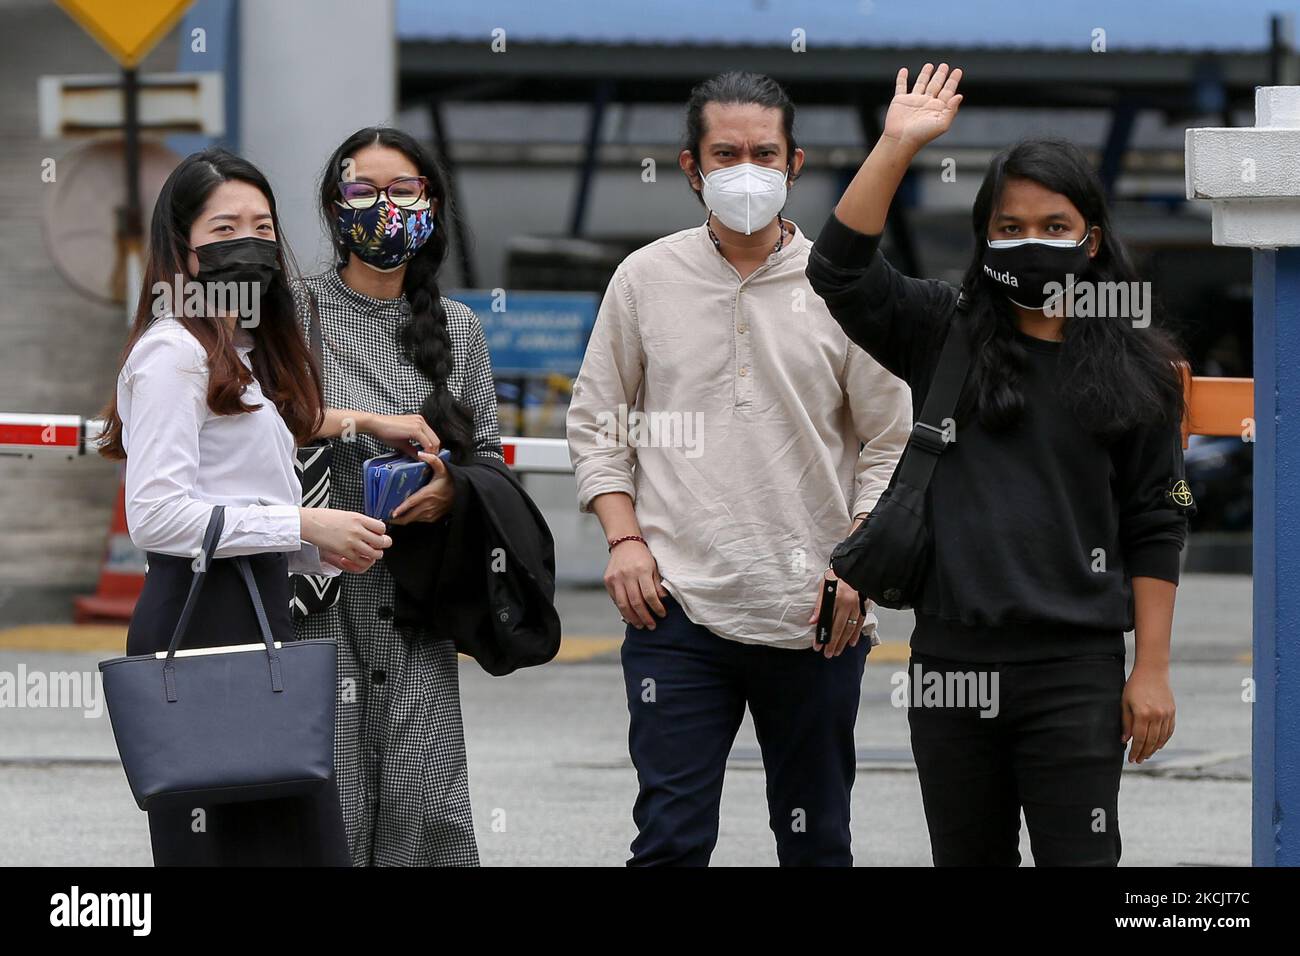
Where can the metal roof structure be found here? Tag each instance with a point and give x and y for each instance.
(1153, 25)
(1184, 59)
(1172, 54)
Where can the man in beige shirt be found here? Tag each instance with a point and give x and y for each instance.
(727, 435)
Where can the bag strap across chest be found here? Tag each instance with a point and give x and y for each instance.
(929, 438)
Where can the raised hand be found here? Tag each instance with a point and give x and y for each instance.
(925, 113)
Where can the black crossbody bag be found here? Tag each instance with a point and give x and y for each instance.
(885, 559)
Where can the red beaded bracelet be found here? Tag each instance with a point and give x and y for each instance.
(626, 537)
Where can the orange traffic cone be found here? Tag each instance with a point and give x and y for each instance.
(121, 575)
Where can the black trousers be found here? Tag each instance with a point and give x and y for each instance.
(292, 831)
(1050, 746)
(687, 690)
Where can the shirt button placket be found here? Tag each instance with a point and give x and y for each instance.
(744, 353)
(403, 314)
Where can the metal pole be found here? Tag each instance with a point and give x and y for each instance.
(468, 274)
(600, 97)
(131, 216)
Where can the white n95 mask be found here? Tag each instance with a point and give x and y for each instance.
(744, 197)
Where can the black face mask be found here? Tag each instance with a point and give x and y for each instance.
(1021, 271)
(249, 259)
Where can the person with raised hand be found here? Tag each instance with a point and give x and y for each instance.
(1057, 514)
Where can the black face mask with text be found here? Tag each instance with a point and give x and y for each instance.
(248, 259)
(1021, 268)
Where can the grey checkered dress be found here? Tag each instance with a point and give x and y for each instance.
(400, 748)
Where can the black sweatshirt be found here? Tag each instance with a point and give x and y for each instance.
(1038, 529)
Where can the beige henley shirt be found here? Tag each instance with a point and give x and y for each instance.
(746, 427)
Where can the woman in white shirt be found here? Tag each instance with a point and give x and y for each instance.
(216, 389)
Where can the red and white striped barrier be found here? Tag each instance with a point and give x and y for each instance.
(122, 572)
(26, 436)
(538, 455)
(67, 436)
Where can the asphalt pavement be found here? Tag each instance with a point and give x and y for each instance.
(550, 778)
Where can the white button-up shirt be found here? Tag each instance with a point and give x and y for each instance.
(182, 458)
(746, 427)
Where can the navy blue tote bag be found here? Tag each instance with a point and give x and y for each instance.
(248, 720)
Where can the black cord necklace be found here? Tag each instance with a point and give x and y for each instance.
(780, 239)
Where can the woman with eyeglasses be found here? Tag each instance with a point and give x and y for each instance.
(402, 367)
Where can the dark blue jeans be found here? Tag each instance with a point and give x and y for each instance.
(687, 690)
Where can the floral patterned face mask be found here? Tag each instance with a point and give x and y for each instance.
(384, 236)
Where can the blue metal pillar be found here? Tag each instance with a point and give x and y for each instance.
(1276, 716)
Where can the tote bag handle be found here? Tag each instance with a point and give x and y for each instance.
(210, 537)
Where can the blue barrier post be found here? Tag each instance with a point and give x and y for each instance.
(1252, 177)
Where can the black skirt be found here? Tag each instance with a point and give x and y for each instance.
(292, 831)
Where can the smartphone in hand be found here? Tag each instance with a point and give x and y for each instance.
(826, 615)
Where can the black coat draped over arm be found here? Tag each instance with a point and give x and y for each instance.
(483, 577)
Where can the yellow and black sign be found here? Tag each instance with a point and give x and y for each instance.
(126, 30)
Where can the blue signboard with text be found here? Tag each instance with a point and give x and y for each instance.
(533, 332)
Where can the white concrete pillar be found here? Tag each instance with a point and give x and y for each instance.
(1251, 174)
(311, 72)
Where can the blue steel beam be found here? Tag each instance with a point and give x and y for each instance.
(1275, 721)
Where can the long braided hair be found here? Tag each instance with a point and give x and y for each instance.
(424, 339)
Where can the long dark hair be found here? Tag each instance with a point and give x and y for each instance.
(1113, 376)
(282, 363)
(424, 339)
